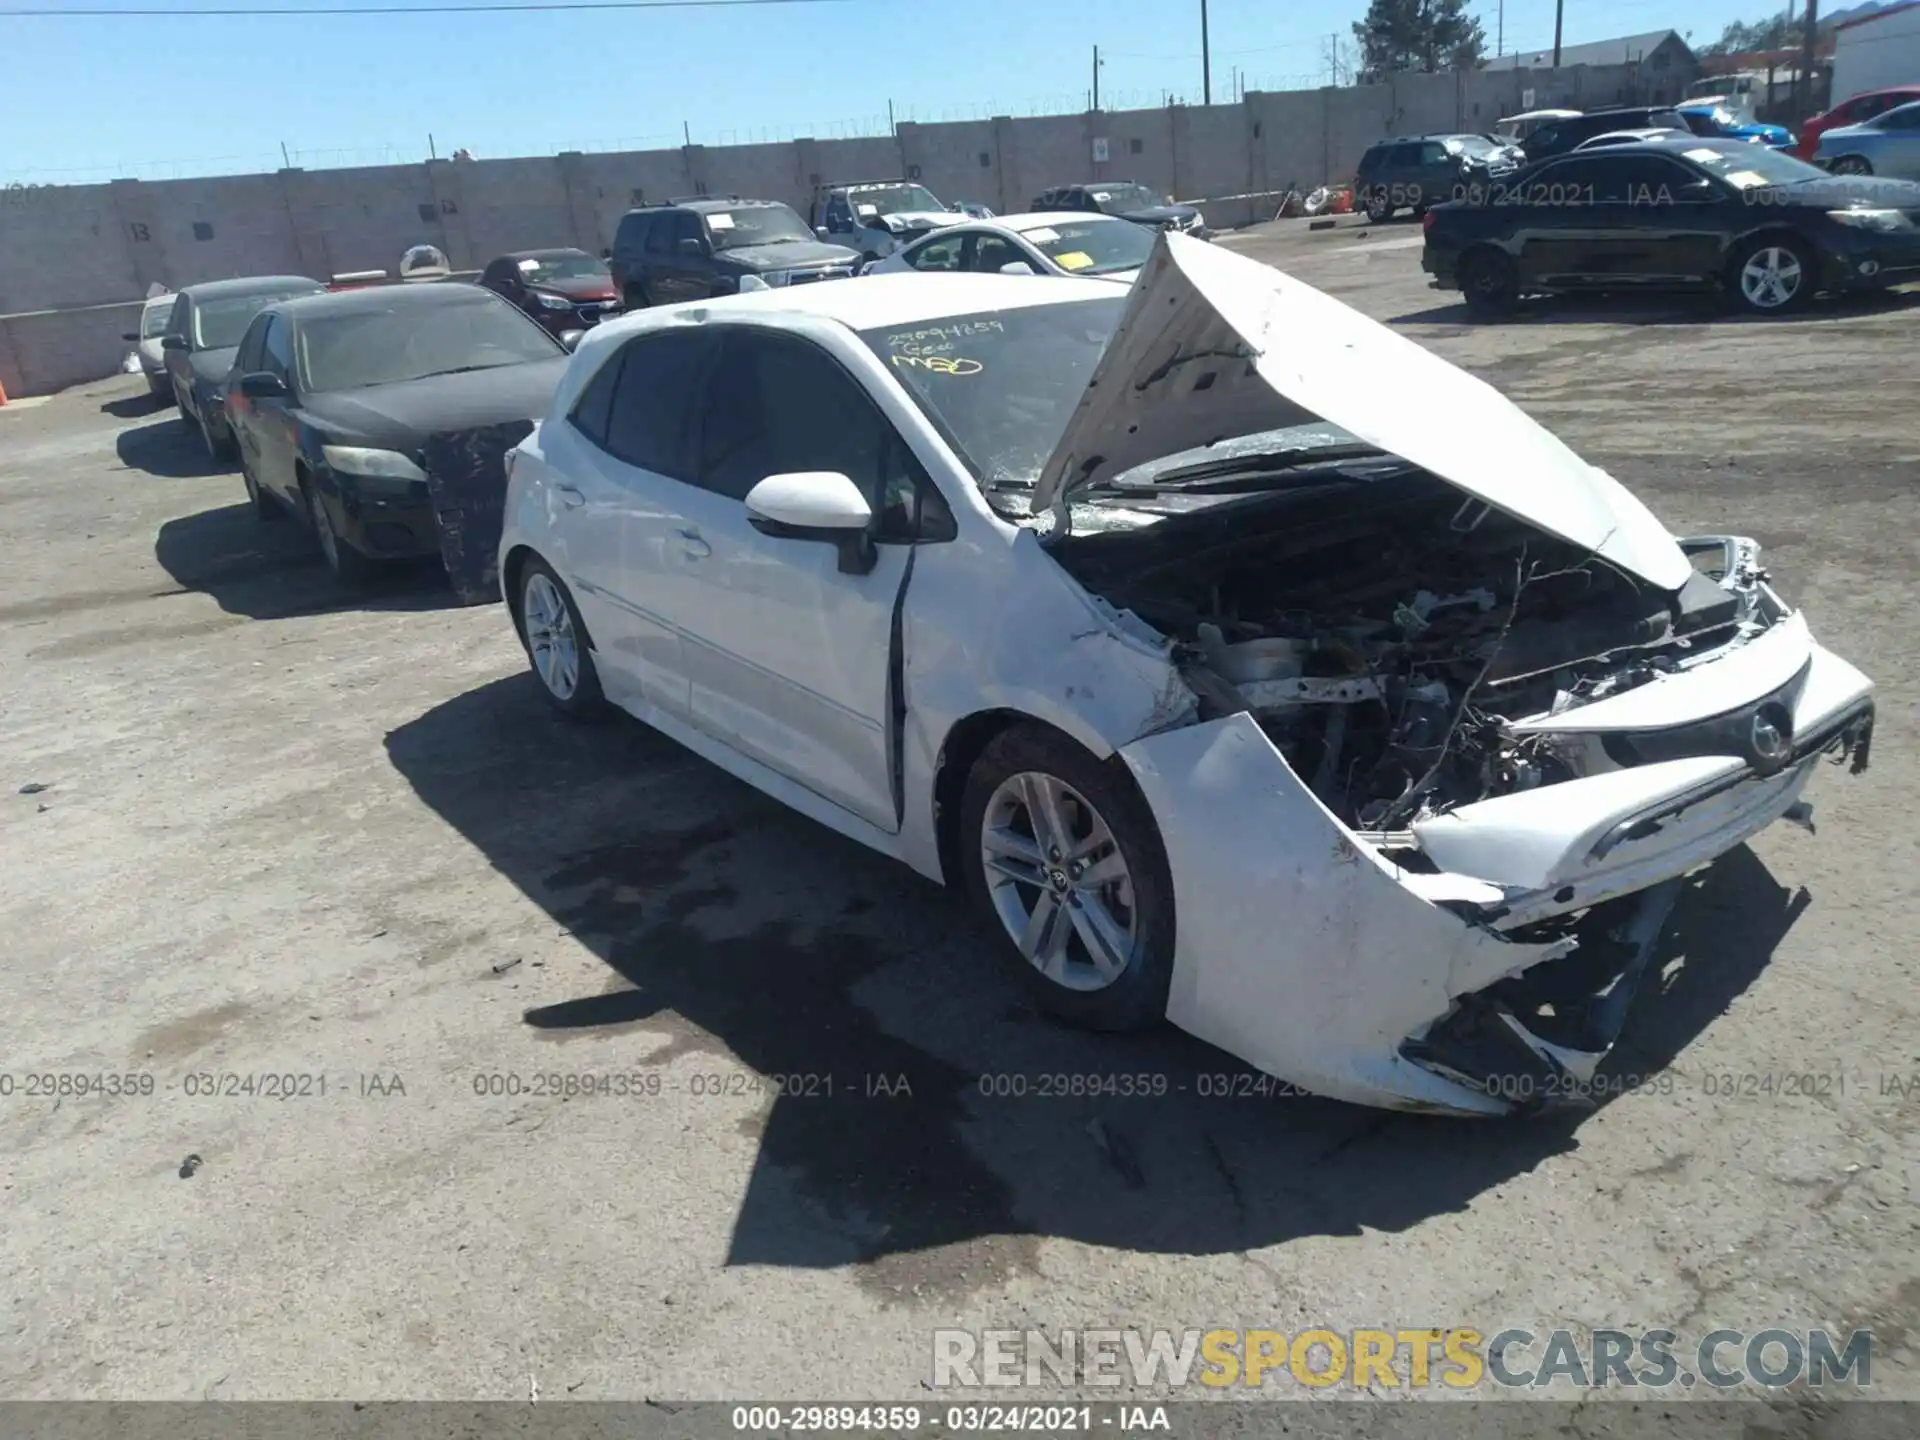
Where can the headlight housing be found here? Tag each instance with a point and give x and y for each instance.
(364, 463)
(552, 302)
(1883, 222)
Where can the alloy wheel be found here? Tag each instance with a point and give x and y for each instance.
(1771, 278)
(550, 637)
(1058, 881)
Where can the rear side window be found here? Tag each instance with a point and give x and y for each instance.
(596, 402)
(633, 234)
(1375, 154)
(660, 236)
(650, 416)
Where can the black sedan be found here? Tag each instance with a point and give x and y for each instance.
(382, 417)
(1128, 200)
(1764, 229)
(207, 323)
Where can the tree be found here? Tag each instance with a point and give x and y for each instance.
(1425, 35)
(1776, 32)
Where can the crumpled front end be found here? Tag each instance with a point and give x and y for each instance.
(467, 484)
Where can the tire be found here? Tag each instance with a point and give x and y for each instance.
(1379, 207)
(1771, 275)
(219, 447)
(1852, 165)
(264, 507)
(1109, 829)
(1488, 283)
(555, 639)
(348, 565)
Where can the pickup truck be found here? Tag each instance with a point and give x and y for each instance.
(877, 217)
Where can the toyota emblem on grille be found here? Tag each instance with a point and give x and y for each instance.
(1771, 738)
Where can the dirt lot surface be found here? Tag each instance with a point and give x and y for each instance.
(292, 833)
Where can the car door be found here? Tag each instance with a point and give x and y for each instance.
(275, 422)
(1897, 155)
(1567, 211)
(179, 366)
(1434, 174)
(1673, 227)
(790, 658)
(989, 253)
(939, 253)
(685, 271)
(622, 465)
(240, 408)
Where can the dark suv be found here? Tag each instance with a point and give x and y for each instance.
(707, 245)
(1559, 136)
(1413, 172)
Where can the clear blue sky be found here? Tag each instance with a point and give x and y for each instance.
(87, 99)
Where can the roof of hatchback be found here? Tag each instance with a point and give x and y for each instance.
(879, 300)
(249, 285)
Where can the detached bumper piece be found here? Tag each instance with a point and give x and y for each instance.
(467, 482)
(1536, 1039)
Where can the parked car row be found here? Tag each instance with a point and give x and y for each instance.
(1067, 593)
(1756, 224)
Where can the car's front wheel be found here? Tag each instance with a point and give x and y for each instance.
(1061, 853)
(1852, 165)
(348, 565)
(1379, 207)
(217, 440)
(1772, 275)
(556, 642)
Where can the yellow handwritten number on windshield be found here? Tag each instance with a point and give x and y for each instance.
(941, 364)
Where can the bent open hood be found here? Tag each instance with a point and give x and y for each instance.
(1213, 346)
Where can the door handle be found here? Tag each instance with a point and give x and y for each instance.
(692, 546)
(569, 496)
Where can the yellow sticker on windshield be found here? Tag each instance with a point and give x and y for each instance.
(1073, 260)
(1746, 179)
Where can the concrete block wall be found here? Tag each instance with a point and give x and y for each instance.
(70, 248)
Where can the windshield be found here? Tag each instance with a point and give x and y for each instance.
(755, 225)
(1093, 247)
(1121, 199)
(1754, 166)
(1002, 384)
(219, 323)
(869, 201)
(153, 319)
(1476, 146)
(409, 342)
(566, 265)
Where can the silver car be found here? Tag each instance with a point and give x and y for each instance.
(154, 315)
(1888, 144)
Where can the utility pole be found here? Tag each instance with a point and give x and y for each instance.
(1559, 8)
(1803, 98)
(1206, 59)
(1096, 77)
(1500, 32)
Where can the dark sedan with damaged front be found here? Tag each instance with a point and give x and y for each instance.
(381, 418)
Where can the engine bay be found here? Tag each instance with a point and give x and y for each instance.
(1386, 631)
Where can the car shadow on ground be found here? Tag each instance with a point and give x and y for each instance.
(136, 406)
(737, 930)
(1663, 310)
(271, 569)
(170, 449)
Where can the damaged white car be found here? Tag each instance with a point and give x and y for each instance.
(1250, 665)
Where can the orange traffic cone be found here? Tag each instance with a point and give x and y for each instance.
(3, 394)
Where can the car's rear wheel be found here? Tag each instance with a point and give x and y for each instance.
(1852, 165)
(348, 565)
(1488, 282)
(1772, 275)
(556, 642)
(1062, 855)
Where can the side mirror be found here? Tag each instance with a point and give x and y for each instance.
(262, 386)
(1017, 267)
(173, 342)
(816, 505)
(691, 246)
(570, 339)
(820, 231)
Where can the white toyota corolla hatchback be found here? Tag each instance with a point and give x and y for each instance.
(1251, 666)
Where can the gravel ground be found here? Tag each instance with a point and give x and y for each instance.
(290, 832)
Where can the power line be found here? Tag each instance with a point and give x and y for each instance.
(52, 12)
